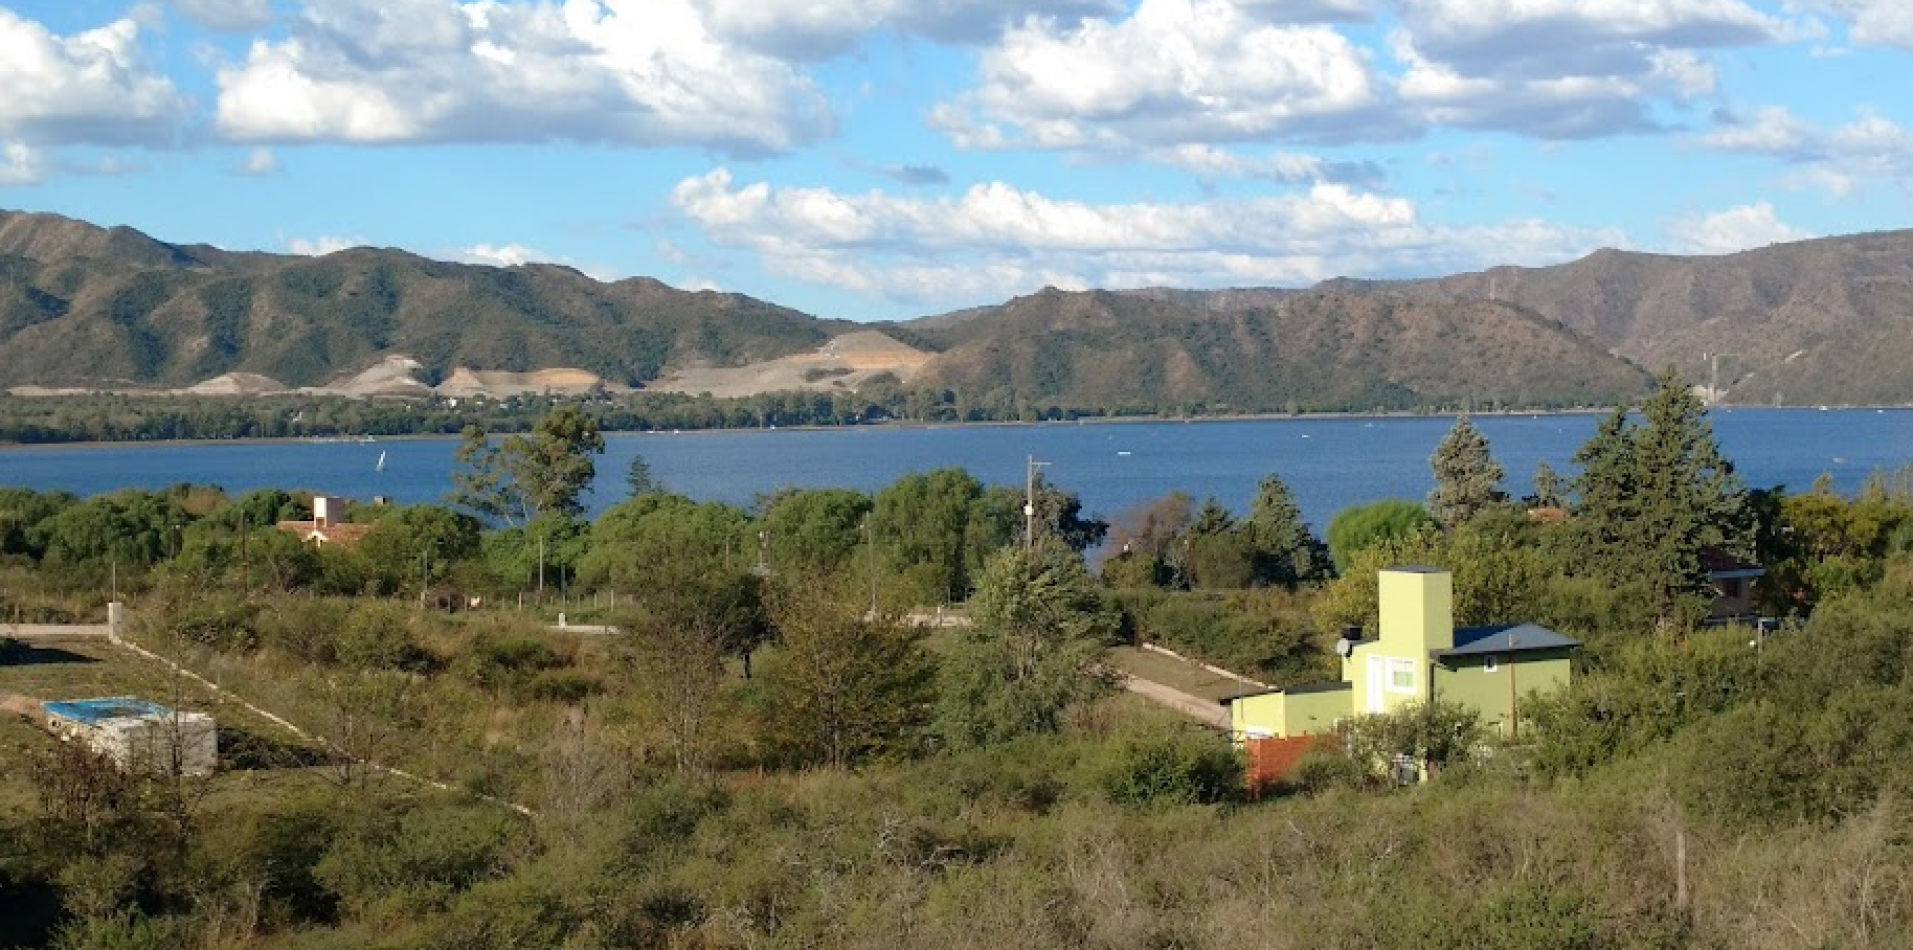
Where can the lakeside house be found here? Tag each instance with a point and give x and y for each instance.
(329, 524)
(1418, 656)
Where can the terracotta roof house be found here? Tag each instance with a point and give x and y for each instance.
(1417, 657)
(328, 524)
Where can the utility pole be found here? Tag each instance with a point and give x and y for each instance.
(1029, 502)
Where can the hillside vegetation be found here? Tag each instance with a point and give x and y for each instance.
(1314, 351)
(83, 306)
(1815, 322)
(1822, 321)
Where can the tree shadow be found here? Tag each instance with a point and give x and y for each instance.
(29, 912)
(241, 749)
(23, 654)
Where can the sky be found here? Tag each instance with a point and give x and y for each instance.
(887, 159)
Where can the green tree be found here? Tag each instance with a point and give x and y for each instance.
(1359, 527)
(816, 530)
(1038, 626)
(638, 477)
(1467, 477)
(926, 533)
(1651, 496)
(523, 477)
(415, 546)
(1287, 553)
(843, 687)
(1548, 491)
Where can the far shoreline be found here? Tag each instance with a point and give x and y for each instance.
(899, 424)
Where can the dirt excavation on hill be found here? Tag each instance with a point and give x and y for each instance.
(843, 364)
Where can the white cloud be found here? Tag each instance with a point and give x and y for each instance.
(1568, 68)
(1210, 163)
(230, 16)
(502, 255)
(817, 29)
(258, 163)
(323, 245)
(20, 164)
(92, 87)
(1172, 73)
(996, 239)
(1870, 22)
(1735, 229)
(1871, 147)
(1558, 38)
(637, 72)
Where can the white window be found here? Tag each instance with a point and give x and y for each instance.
(1401, 676)
(1490, 663)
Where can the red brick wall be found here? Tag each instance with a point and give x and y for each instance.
(1271, 760)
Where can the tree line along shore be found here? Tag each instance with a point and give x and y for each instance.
(766, 753)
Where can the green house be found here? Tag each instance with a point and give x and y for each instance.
(1418, 656)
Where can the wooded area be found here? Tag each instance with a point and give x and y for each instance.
(768, 753)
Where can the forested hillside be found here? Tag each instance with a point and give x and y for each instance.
(1263, 352)
(83, 306)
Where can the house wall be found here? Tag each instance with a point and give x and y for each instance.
(1285, 715)
(1257, 716)
(1465, 680)
(1314, 713)
(1417, 617)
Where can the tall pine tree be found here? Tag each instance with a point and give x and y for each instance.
(1285, 551)
(1467, 477)
(1652, 495)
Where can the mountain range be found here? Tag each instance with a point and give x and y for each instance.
(1826, 321)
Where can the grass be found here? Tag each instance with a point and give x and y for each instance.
(1173, 673)
(81, 668)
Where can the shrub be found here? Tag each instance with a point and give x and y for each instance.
(305, 627)
(506, 665)
(378, 636)
(1325, 768)
(1434, 734)
(126, 929)
(416, 855)
(1172, 767)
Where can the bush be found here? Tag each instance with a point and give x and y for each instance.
(1434, 734)
(126, 929)
(1325, 769)
(378, 636)
(413, 856)
(1172, 767)
(506, 665)
(305, 627)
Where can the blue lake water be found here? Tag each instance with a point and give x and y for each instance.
(1329, 462)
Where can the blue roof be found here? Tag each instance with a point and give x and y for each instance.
(95, 711)
(1505, 638)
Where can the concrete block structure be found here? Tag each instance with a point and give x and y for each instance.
(138, 734)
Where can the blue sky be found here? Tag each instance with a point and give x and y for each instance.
(876, 159)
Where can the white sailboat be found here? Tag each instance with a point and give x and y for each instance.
(381, 466)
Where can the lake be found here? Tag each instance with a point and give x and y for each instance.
(1329, 462)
